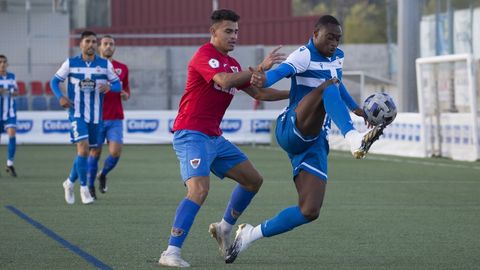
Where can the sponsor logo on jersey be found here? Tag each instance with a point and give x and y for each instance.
(56, 126)
(231, 125)
(142, 125)
(261, 125)
(213, 63)
(87, 85)
(195, 162)
(24, 126)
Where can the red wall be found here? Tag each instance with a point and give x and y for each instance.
(268, 22)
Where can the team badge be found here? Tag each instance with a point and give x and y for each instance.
(176, 232)
(118, 71)
(213, 63)
(195, 162)
(98, 69)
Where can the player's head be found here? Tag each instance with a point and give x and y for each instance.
(327, 34)
(3, 63)
(106, 47)
(224, 30)
(88, 43)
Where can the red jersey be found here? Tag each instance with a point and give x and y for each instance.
(204, 102)
(112, 102)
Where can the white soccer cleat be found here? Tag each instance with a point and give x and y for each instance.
(69, 194)
(242, 241)
(172, 260)
(85, 195)
(360, 143)
(223, 238)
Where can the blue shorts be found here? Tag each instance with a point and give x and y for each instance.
(11, 122)
(309, 153)
(199, 154)
(80, 130)
(112, 130)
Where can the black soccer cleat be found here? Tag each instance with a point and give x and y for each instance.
(11, 170)
(102, 180)
(367, 140)
(92, 192)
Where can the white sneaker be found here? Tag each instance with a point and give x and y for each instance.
(85, 195)
(69, 194)
(172, 260)
(223, 238)
(242, 242)
(360, 143)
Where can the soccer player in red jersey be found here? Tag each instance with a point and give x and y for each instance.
(213, 79)
(112, 126)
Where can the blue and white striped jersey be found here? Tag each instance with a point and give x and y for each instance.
(8, 106)
(84, 79)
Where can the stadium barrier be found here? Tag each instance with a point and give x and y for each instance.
(404, 137)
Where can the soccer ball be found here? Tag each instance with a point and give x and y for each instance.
(380, 109)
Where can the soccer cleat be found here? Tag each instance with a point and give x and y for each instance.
(363, 141)
(242, 241)
(11, 171)
(85, 195)
(172, 260)
(69, 194)
(223, 238)
(102, 180)
(92, 192)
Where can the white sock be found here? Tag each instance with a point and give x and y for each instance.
(225, 226)
(173, 249)
(9, 162)
(256, 233)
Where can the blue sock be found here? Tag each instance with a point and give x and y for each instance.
(92, 170)
(239, 200)
(82, 170)
(186, 212)
(286, 220)
(73, 172)
(336, 109)
(109, 164)
(12, 146)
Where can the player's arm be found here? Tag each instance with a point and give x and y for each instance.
(125, 94)
(14, 89)
(59, 77)
(266, 94)
(114, 84)
(348, 100)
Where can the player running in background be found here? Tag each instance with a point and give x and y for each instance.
(112, 126)
(302, 129)
(213, 79)
(8, 108)
(88, 77)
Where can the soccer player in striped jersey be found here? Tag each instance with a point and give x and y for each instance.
(212, 81)
(8, 108)
(112, 126)
(317, 96)
(88, 78)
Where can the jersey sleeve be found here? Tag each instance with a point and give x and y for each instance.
(299, 59)
(111, 75)
(206, 65)
(63, 71)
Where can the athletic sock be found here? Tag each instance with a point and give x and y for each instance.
(184, 217)
(73, 172)
(109, 164)
(12, 146)
(286, 220)
(82, 170)
(239, 201)
(92, 170)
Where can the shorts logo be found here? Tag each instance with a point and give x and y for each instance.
(213, 63)
(56, 126)
(24, 126)
(195, 162)
(176, 232)
(142, 125)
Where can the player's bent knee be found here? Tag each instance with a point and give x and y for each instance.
(198, 195)
(311, 213)
(255, 184)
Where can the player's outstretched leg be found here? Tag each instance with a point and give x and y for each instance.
(360, 143)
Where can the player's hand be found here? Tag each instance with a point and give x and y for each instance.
(104, 88)
(274, 57)
(65, 102)
(258, 78)
(124, 95)
(361, 113)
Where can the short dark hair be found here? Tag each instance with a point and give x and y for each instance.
(107, 36)
(87, 33)
(325, 20)
(224, 15)
(3, 56)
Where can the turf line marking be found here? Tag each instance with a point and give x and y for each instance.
(89, 258)
(392, 159)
